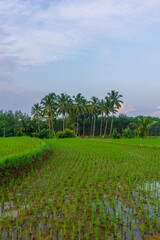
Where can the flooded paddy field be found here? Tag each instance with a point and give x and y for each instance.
(86, 190)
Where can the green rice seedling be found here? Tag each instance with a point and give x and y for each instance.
(158, 225)
(79, 230)
(115, 229)
(2, 236)
(26, 233)
(142, 229)
(73, 232)
(151, 228)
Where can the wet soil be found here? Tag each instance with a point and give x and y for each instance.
(152, 238)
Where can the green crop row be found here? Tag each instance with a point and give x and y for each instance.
(148, 142)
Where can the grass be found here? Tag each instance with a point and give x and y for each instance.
(86, 190)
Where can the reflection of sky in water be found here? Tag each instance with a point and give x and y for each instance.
(120, 211)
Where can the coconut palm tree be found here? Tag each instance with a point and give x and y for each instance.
(108, 107)
(77, 108)
(116, 104)
(94, 105)
(144, 125)
(84, 113)
(64, 103)
(36, 112)
(49, 107)
(101, 111)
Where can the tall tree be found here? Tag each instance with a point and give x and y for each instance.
(36, 112)
(108, 107)
(94, 105)
(144, 125)
(101, 111)
(84, 113)
(115, 98)
(64, 104)
(49, 107)
(77, 108)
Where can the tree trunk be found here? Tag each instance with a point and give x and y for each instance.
(38, 124)
(53, 132)
(94, 125)
(77, 127)
(63, 123)
(105, 130)
(91, 128)
(111, 127)
(101, 124)
(4, 132)
(84, 127)
(49, 127)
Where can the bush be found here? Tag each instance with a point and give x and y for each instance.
(67, 133)
(128, 133)
(115, 134)
(44, 133)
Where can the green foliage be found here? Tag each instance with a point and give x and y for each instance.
(88, 189)
(128, 133)
(67, 133)
(144, 125)
(115, 134)
(44, 133)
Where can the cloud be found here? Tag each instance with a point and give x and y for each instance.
(157, 111)
(126, 109)
(18, 98)
(37, 32)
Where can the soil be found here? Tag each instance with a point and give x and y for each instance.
(153, 238)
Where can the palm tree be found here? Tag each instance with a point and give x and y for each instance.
(36, 112)
(49, 107)
(77, 108)
(116, 101)
(64, 103)
(94, 104)
(144, 125)
(84, 113)
(101, 111)
(108, 107)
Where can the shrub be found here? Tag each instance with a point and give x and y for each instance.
(67, 133)
(115, 134)
(128, 133)
(44, 133)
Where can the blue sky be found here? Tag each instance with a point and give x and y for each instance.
(87, 46)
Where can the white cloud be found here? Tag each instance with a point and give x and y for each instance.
(34, 34)
(126, 109)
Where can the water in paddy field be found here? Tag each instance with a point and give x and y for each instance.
(120, 212)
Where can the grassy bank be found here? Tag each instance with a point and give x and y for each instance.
(22, 151)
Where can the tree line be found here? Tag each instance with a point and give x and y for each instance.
(77, 108)
(94, 117)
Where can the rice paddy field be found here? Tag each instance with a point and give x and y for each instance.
(150, 141)
(87, 190)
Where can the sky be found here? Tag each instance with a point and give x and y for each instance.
(87, 46)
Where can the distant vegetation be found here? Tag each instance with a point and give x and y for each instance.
(92, 117)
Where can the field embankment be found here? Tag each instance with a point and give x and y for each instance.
(20, 152)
